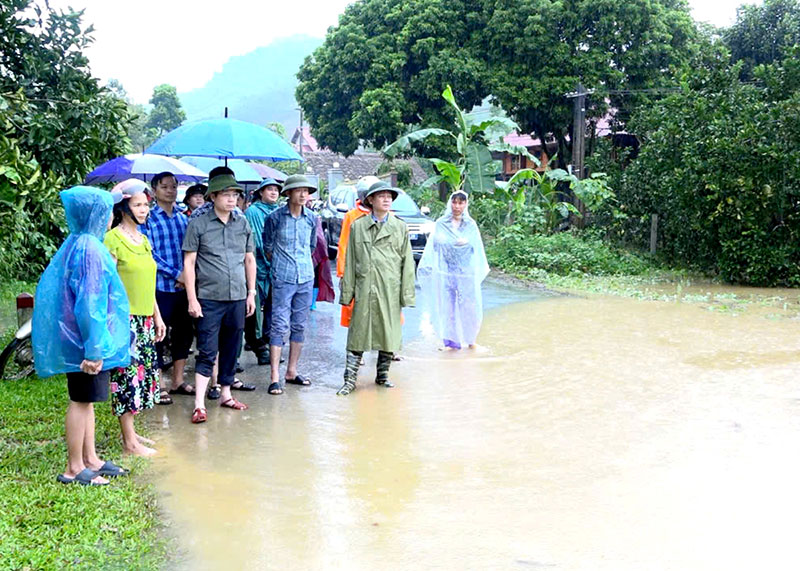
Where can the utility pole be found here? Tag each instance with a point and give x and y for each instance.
(578, 129)
(579, 142)
(300, 138)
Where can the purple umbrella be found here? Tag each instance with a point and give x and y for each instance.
(143, 166)
(266, 171)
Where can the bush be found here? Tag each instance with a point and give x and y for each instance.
(564, 253)
(720, 165)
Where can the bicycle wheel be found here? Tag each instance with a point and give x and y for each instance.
(16, 360)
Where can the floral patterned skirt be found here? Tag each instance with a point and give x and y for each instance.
(135, 388)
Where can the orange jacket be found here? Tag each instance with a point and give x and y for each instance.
(351, 215)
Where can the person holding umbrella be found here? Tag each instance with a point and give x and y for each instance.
(220, 272)
(290, 235)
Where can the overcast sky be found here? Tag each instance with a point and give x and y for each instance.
(181, 42)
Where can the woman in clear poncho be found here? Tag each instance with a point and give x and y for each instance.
(450, 274)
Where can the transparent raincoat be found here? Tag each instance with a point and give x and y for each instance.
(450, 273)
(81, 308)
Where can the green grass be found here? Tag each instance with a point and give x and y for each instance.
(48, 525)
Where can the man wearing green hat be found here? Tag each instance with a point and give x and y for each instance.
(220, 271)
(289, 238)
(256, 327)
(379, 279)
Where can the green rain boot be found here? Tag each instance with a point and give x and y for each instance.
(350, 373)
(384, 361)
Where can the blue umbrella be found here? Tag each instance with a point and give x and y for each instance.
(224, 138)
(143, 166)
(242, 170)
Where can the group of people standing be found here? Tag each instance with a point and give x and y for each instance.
(216, 273)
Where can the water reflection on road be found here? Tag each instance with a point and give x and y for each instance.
(599, 433)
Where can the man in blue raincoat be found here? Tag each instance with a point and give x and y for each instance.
(81, 327)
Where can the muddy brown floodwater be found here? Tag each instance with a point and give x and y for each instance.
(583, 434)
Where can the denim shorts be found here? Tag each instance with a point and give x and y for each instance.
(290, 306)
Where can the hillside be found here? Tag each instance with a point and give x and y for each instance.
(256, 87)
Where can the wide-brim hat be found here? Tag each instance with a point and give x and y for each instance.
(128, 188)
(198, 188)
(297, 181)
(223, 182)
(380, 187)
(269, 181)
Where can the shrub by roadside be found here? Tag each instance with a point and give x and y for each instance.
(563, 254)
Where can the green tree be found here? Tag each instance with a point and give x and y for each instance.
(56, 124)
(384, 67)
(720, 165)
(139, 134)
(167, 113)
(474, 137)
(763, 34)
(538, 51)
(278, 129)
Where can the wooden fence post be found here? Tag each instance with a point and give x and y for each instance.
(653, 233)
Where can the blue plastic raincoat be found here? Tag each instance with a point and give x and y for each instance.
(81, 309)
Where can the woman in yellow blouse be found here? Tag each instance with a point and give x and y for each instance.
(136, 387)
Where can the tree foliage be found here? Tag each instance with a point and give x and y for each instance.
(763, 34)
(720, 165)
(384, 67)
(167, 113)
(57, 124)
(538, 51)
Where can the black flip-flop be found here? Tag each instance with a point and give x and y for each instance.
(275, 387)
(214, 392)
(182, 390)
(298, 380)
(242, 386)
(164, 398)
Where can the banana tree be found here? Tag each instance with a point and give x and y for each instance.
(528, 187)
(475, 137)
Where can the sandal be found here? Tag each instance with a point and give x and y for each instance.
(183, 389)
(214, 392)
(275, 389)
(238, 385)
(199, 415)
(298, 380)
(164, 398)
(234, 404)
(84, 477)
(111, 470)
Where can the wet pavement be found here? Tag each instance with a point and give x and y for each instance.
(584, 433)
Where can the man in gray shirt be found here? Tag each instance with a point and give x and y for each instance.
(220, 272)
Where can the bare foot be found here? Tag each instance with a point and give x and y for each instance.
(143, 440)
(140, 450)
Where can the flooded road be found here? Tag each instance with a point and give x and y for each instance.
(583, 434)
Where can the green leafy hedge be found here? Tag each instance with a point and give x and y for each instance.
(564, 253)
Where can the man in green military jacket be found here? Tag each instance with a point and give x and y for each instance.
(379, 276)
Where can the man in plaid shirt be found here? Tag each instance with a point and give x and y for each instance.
(165, 229)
